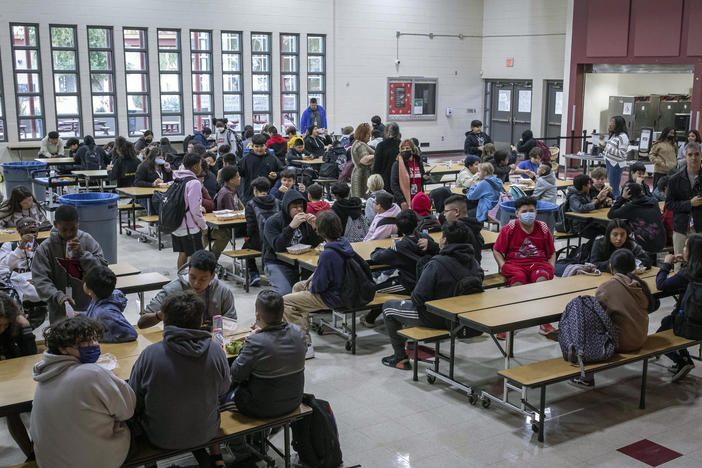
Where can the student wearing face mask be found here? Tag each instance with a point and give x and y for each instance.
(154, 170)
(80, 409)
(144, 141)
(408, 179)
(663, 154)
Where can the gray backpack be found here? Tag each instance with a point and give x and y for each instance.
(586, 333)
(356, 229)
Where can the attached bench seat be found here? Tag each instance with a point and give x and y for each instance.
(494, 280)
(242, 255)
(425, 335)
(543, 373)
(149, 219)
(131, 210)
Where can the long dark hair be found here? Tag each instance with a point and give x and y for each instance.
(12, 204)
(615, 224)
(693, 267)
(663, 137)
(150, 160)
(124, 148)
(698, 139)
(623, 261)
(619, 126)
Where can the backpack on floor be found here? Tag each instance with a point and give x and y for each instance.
(316, 437)
(359, 287)
(688, 320)
(171, 205)
(356, 229)
(586, 333)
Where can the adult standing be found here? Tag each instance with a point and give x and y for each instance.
(476, 139)
(313, 115)
(408, 182)
(615, 152)
(692, 136)
(362, 156)
(386, 152)
(663, 154)
(684, 197)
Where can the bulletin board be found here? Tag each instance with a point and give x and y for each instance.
(400, 98)
(411, 98)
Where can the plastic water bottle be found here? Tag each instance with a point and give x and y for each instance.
(217, 322)
(218, 337)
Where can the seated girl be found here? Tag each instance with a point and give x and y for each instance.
(22, 204)
(154, 170)
(617, 236)
(484, 196)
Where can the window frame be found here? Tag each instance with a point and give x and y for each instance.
(38, 71)
(111, 71)
(210, 73)
(179, 73)
(322, 74)
(296, 76)
(240, 73)
(3, 117)
(146, 95)
(268, 94)
(76, 72)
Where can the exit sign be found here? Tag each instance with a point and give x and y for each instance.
(509, 62)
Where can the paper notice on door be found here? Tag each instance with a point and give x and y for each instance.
(524, 101)
(504, 96)
(626, 110)
(558, 103)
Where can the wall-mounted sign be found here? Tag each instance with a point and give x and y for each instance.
(411, 98)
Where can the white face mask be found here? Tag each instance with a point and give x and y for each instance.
(220, 129)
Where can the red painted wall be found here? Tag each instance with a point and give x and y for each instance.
(634, 32)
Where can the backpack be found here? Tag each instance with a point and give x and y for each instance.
(586, 333)
(172, 206)
(329, 170)
(356, 229)
(464, 285)
(306, 176)
(92, 159)
(345, 174)
(186, 140)
(262, 215)
(516, 192)
(316, 437)
(563, 223)
(688, 320)
(545, 152)
(359, 287)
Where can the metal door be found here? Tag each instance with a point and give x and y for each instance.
(554, 111)
(510, 105)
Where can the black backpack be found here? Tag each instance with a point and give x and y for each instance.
(329, 170)
(359, 287)
(262, 215)
(464, 285)
(316, 437)
(688, 320)
(562, 222)
(171, 205)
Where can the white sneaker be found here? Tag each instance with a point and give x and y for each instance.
(310, 352)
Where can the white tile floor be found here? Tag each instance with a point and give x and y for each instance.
(386, 420)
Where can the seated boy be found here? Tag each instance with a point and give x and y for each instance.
(285, 182)
(297, 151)
(599, 184)
(61, 283)
(456, 209)
(383, 225)
(637, 175)
(349, 208)
(316, 204)
(107, 305)
(80, 409)
(180, 381)
(545, 188)
(290, 226)
(528, 167)
(322, 290)
(226, 199)
(261, 207)
(469, 175)
(439, 279)
(270, 369)
(201, 280)
(580, 201)
(500, 165)
(228, 159)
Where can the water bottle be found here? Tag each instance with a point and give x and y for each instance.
(217, 322)
(218, 337)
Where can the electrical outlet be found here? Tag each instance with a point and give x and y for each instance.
(442, 138)
(424, 144)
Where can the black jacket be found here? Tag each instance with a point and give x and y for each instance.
(527, 143)
(314, 146)
(277, 233)
(294, 155)
(92, 157)
(477, 241)
(252, 166)
(265, 203)
(473, 141)
(210, 183)
(124, 171)
(501, 172)
(599, 255)
(645, 219)
(429, 223)
(349, 207)
(385, 155)
(580, 202)
(404, 255)
(677, 200)
(146, 175)
(18, 345)
(395, 181)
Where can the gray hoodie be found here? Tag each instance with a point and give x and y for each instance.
(78, 414)
(50, 279)
(545, 188)
(179, 383)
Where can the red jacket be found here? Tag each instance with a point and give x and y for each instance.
(316, 207)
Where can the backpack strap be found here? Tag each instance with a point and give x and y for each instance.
(387, 221)
(499, 189)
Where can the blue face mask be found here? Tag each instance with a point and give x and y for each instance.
(527, 218)
(160, 161)
(89, 354)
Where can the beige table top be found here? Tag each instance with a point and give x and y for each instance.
(142, 282)
(91, 173)
(140, 191)
(124, 269)
(309, 161)
(601, 213)
(56, 160)
(443, 168)
(11, 235)
(211, 218)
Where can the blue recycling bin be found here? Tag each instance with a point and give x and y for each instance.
(20, 173)
(545, 212)
(98, 217)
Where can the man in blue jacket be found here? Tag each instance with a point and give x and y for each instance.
(313, 115)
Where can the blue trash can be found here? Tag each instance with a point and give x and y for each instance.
(20, 173)
(545, 212)
(98, 217)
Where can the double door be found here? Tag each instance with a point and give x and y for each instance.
(510, 110)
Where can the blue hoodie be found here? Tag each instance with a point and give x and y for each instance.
(487, 192)
(328, 278)
(110, 313)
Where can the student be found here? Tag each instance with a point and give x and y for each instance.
(51, 146)
(107, 305)
(580, 201)
(316, 204)
(290, 226)
(207, 203)
(528, 167)
(376, 138)
(421, 204)
(144, 141)
(375, 186)
(277, 144)
(526, 143)
(346, 133)
(153, 171)
(187, 239)
(627, 301)
(261, 207)
(362, 156)
(484, 196)
(314, 143)
(201, 280)
(469, 175)
(456, 209)
(201, 137)
(637, 175)
(438, 280)
(79, 251)
(386, 153)
(407, 181)
(16, 340)
(676, 285)
(383, 225)
(297, 151)
(226, 199)
(682, 198)
(663, 154)
(21, 204)
(292, 136)
(80, 409)
(475, 139)
(614, 151)
(667, 214)
(323, 290)
(285, 182)
(545, 188)
(500, 165)
(208, 179)
(692, 136)
(269, 372)
(180, 381)
(617, 236)
(91, 156)
(124, 164)
(378, 124)
(644, 216)
(599, 184)
(347, 207)
(257, 163)
(225, 136)
(489, 151)
(314, 115)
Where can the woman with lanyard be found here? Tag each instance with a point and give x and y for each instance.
(615, 150)
(407, 179)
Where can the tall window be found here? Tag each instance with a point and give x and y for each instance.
(261, 79)
(102, 80)
(233, 91)
(289, 79)
(3, 133)
(64, 60)
(136, 67)
(201, 63)
(27, 67)
(169, 54)
(316, 68)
